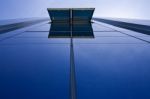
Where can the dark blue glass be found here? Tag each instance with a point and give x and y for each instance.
(34, 71)
(81, 14)
(58, 15)
(60, 30)
(112, 71)
(95, 61)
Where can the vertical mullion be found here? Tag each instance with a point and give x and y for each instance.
(72, 64)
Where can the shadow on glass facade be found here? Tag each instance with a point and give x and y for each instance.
(65, 30)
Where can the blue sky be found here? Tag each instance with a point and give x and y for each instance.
(104, 8)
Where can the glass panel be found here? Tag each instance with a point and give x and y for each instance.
(109, 34)
(57, 15)
(101, 28)
(34, 72)
(82, 30)
(110, 40)
(33, 35)
(145, 38)
(112, 71)
(30, 40)
(82, 14)
(41, 28)
(60, 30)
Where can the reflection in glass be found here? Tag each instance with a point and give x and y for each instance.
(59, 30)
(66, 30)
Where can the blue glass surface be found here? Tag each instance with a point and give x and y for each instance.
(136, 21)
(101, 28)
(137, 35)
(34, 72)
(40, 28)
(105, 71)
(114, 64)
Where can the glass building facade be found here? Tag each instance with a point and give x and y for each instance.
(101, 59)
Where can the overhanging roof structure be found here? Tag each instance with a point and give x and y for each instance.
(71, 22)
(70, 14)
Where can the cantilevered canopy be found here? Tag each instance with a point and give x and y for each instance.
(70, 14)
(59, 15)
(82, 14)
